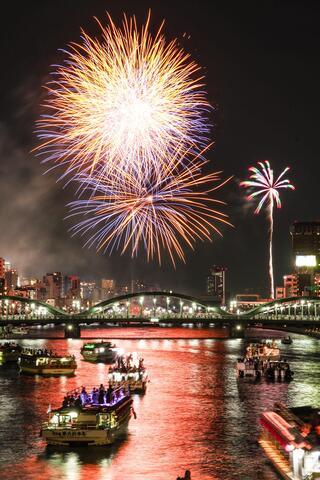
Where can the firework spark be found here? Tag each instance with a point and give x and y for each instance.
(153, 215)
(267, 188)
(123, 104)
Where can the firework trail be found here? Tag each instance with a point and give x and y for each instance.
(158, 215)
(123, 104)
(267, 188)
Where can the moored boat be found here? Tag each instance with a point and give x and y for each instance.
(291, 440)
(89, 419)
(287, 340)
(19, 330)
(129, 371)
(10, 352)
(263, 351)
(102, 351)
(43, 362)
(258, 369)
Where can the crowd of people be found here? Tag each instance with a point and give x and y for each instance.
(264, 349)
(39, 352)
(8, 346)
(97, 396)
(127, 363)
(256, 367)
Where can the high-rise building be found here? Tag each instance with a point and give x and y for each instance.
(306, 246)
(87, 289)
(71, 287)
(216, 283)
(306, 260)
(290, 285)
(108, 284)
(2, 268)
(53, 283)
(11, 279)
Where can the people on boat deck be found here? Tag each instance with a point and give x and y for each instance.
(96, 397)
(42, 352)
(101, 394)
(126, 364)
(271, 369)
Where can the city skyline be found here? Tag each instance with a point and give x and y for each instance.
(266, 112)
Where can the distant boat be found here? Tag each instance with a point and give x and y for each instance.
(45, 363)
(102, 351)
(19, 330)
(287, 340)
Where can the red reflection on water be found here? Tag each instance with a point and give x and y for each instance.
(174, 418)
(134, 332)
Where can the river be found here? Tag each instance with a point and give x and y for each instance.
(195, 414)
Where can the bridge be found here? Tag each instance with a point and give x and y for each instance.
(169, 308)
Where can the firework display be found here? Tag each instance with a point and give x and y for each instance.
(163, 215)
(266, 188)
(126, 121)
(124, 102)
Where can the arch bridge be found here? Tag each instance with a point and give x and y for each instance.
(157, 304)
(19, 308)
(293, 309)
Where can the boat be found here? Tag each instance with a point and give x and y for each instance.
(43, 362)
(19, 330)
(84, 420)
(286, 340)
(263, 351)
(258, 369)
(291, 441)
(102, 351)
(10, 352)
(129, 371)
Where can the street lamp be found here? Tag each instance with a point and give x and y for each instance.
(141, 300)
(309, 305)
(154, 306)
(181, 305)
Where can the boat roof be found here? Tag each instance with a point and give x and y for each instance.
(301, 425)
(46, 355)
(91, 345)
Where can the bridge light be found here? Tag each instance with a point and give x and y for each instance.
(70, 327)
(154, 300)
(141, 300)
(238, 327)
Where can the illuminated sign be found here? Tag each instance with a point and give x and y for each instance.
(306, 261)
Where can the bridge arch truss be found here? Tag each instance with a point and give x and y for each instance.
(153, 304)
(293, 308)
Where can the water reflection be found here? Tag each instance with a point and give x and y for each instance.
(195, 414)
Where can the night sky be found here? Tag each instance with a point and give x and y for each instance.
(261, 63)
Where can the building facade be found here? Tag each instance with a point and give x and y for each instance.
(216, 284)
